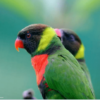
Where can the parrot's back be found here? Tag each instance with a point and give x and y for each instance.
(85, 69)
(73, 43)
(64, 75)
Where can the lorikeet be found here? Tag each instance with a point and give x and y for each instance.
(58, 73)
(73, 43)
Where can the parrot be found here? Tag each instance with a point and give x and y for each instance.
(28, 94)
(58, 73)
(73, 43)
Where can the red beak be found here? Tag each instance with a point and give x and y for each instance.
(58, 32)
(18, 44)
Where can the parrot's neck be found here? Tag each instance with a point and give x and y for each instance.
(80, 54)
(40, 59)
(53, 46)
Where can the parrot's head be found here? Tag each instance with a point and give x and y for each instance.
(34, 37)
(71, 42)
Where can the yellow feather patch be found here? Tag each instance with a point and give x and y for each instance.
(80, 53)
(47, 36)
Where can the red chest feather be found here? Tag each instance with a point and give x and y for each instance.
(39, 62)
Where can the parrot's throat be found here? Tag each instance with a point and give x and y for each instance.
(39, 62)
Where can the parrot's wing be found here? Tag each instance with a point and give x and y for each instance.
(86, 71)
(66, 76)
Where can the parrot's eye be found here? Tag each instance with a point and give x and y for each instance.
(28, 35)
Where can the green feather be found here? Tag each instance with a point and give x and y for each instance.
(64, 75)
(85, 69)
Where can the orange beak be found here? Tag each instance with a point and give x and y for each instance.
(58, 32)
(18, 44)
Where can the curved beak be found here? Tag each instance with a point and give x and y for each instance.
(19, 44)
(58, 32)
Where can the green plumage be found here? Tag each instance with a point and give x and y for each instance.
(64, 74)
(73, 43)
(86, 71)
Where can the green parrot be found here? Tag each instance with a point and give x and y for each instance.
(58, 73)
(73, 43)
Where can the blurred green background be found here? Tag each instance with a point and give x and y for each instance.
(16, 71)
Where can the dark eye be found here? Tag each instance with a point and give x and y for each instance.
(28, 35)
(71, 37)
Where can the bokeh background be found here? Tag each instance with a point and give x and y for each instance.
(81, 16)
